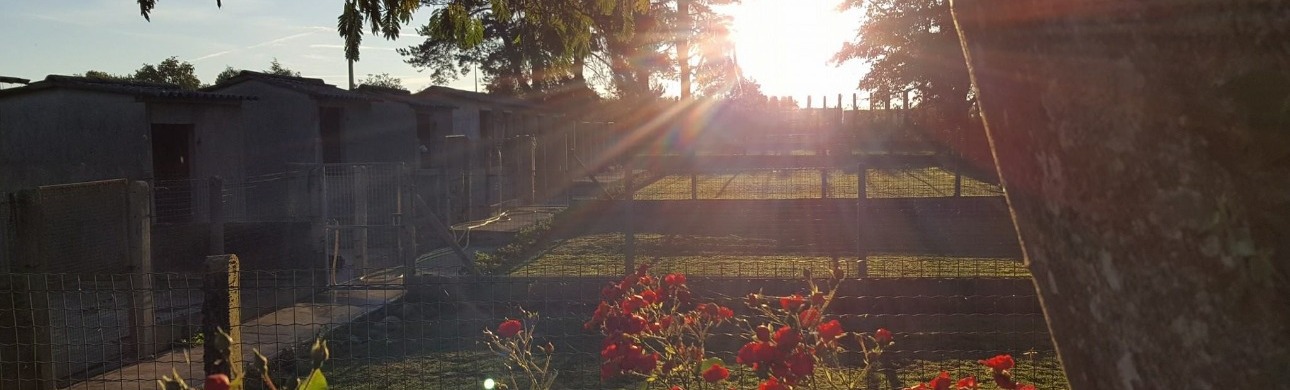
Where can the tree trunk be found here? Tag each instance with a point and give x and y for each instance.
(1145, 149)
(683, 45)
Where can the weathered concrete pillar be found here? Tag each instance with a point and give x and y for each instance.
(222, 310)
(1145, 148)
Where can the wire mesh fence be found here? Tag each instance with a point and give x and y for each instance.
(78, 332)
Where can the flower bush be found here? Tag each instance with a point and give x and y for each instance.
(656, 333)
(514, 341)
(1000, 367)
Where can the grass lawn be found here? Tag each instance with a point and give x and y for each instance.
(806, 183)
(602, 254)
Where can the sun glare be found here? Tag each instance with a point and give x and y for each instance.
(786, 45)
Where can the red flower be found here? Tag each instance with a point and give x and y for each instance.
(635, 324)
(216, 382)
(817, 299)
(829, 331)
(801, 364)
(715, 373)
(999, 363)
(1004, 380)
(509, 328)
(763, 333)
(791, 302)
(677, 388)
(751, 353)
(633, 303)
(1026, 387)
(649, 296)
(941, 382)
(967, 383)
(724, 313)
(809, 317)
(772, 384)
(610, 352)
(786, 338)
(882, 336)
(674, 279)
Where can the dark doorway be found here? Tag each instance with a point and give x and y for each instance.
(333, 136)
(172, 161)
(427, 140)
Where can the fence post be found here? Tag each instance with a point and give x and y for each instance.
(403, 217)
(216, 204)
(862, 208)
(142, 308)
(629, 217)
(824, 183)
(221, 309)
(360, 217)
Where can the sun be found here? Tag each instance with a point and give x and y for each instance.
(786, 45)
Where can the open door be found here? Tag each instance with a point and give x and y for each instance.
(172, 161)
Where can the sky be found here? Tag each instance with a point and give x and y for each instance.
(783, 44)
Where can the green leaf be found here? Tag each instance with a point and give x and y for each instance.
(316, 381)
(709, 362)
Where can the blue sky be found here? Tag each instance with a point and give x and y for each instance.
(67, 37)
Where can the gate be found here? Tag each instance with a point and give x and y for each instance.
(364, 210)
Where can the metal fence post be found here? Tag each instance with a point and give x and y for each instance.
(221, 309)
(629, 245)
(142, 307)
(862, 206)
(360, 216)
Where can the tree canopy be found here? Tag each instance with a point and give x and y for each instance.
(169, 71)
(277, 68)
(226, 74)
(913, 47)
(524, 47)
(383, 80)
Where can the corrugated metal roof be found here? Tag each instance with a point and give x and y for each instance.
(125, 87)
(482, 98)
(402, 96)
(309, 86)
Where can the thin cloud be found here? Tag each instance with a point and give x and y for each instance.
(282, 39)
(213, 55)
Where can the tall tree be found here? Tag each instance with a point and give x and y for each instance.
(169, 71)
(913, 48)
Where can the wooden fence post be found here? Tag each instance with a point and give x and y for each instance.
(221, 309)
(142, 308)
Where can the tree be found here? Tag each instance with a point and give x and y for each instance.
(913, 48)
(1146, 173)
(101, 75)
(228, 73)
(276, 68)
(169, 71)
(383, 80)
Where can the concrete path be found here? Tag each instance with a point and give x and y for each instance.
(271, 334)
